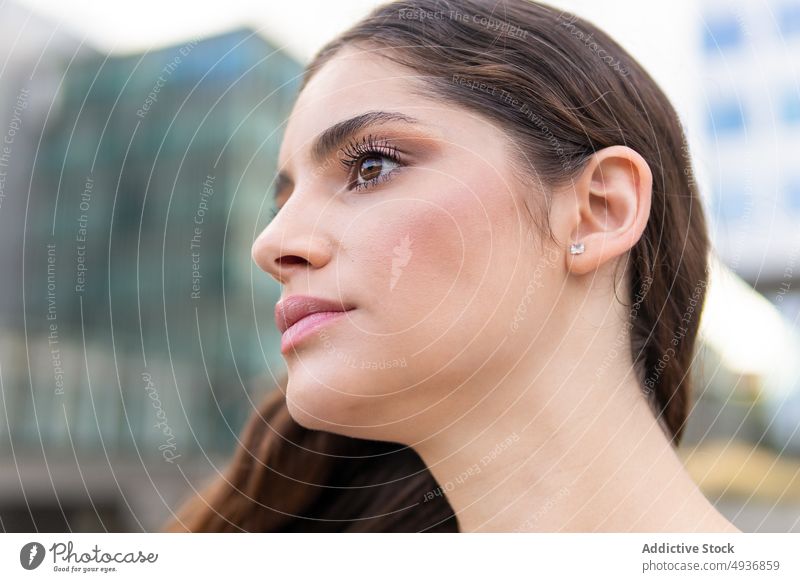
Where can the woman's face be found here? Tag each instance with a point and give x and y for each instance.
(425, 234)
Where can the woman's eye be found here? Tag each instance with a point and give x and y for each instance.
(373, 169)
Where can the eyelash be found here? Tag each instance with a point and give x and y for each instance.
(367, 147)
(355, 152)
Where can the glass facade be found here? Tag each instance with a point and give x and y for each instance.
(144, 328)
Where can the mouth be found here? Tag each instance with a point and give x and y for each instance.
(298, 316)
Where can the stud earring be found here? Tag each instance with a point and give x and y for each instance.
(576, 248)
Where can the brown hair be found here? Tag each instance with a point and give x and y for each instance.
(568, 90)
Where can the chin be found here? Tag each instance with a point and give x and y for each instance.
(316, 404)
(332, 406)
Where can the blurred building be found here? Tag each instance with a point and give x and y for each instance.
(745, 421)
(35, 53)
(750, 55)
(134, 339)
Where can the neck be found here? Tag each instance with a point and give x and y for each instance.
(571, 450)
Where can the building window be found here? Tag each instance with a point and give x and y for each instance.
(790, 106)
(789, 18)
(732, 201)
(725, 117)
(721, 33)
(793, 193)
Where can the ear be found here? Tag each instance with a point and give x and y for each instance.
(610, 208)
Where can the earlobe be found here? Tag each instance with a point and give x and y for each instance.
(612, 197)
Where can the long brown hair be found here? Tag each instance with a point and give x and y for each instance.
(582, 92)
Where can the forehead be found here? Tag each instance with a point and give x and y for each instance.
(355, 80)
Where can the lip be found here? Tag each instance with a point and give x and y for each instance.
(298, 315)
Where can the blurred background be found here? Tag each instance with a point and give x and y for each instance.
(137, 150)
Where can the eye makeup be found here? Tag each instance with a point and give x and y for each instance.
(358, 157)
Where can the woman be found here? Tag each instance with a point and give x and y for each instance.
(492, 257)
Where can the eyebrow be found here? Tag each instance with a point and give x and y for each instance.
(338, 133)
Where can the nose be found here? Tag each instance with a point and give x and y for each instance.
(292, 242)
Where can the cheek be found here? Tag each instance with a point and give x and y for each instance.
(425, 262)
(409, 255)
